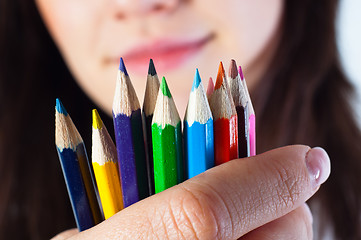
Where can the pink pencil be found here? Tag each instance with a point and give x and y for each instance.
(210, 87)
(252, 116)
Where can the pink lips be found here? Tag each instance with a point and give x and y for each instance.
(166, 54)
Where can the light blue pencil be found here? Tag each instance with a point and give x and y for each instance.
(198, 131)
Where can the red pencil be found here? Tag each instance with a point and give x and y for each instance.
(225, 120)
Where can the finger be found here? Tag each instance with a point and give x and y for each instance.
(225, 202)
(66, 234)
(294, 225)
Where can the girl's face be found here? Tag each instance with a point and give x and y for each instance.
(180, 36)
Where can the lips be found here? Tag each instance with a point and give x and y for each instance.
(166, 54)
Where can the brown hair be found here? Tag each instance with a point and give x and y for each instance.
(304, 97)
(33, 198)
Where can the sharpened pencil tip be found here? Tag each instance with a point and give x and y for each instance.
(164, 88)
(241, 72)
(151, 69)
(196, 80)
(60, 108)
(122, 67)
(220, 76)
(97, 121)
(233, 72)
(210, 87)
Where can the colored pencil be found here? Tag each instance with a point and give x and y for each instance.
(129, 140)
(198, 131)
(252, 116)
(104, 160)
(210, 87)
(225, 121)
(241, 103)
(167, 141)
(150, 98)
(74, 163)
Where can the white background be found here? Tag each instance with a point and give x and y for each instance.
(349, 43)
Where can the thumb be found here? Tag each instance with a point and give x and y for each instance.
(225, 202)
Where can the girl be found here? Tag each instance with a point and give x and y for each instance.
(287, 49)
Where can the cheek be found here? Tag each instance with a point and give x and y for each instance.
(67, 21)
(75, 27)
(261, 22)
(245, 27)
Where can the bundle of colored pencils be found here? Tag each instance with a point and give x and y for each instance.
(151, 154)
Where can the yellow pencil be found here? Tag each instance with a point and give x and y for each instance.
(104, 160)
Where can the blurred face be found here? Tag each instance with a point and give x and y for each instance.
(179, 35)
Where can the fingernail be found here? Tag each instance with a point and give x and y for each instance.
(318, 165)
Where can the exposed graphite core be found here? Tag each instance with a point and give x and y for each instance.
(151, 69)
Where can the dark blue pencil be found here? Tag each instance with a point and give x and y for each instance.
(129, 140)
(74, 163)
(198, 131)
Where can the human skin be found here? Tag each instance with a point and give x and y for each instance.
(180, 35)
(262, 197)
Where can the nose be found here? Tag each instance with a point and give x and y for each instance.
(127, 8)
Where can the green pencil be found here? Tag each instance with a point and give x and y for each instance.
(167, 141)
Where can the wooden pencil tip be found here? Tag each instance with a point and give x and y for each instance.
(97, 121)
(233, 72)
(60, 108)
(151, 69)
(241, 72)
(196, 80)
(220, 76)
(164, 88)
(122, 67)
(210, 87)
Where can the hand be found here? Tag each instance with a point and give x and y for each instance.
(262, 197)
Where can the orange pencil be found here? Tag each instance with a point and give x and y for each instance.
(225, 120)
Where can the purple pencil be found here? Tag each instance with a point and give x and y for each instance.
(129, 140)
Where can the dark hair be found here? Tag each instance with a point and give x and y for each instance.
(33, 198)
(304, 97)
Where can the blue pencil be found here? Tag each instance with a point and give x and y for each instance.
(129, 140)
(75, 166)
(198, 131)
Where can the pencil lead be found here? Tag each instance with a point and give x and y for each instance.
(164, 88)
(233, 73)
(122, 67)
(151, 69)
(97, 121)
(220, 76)
(60, 107)
(241, 73)
(196, 81)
